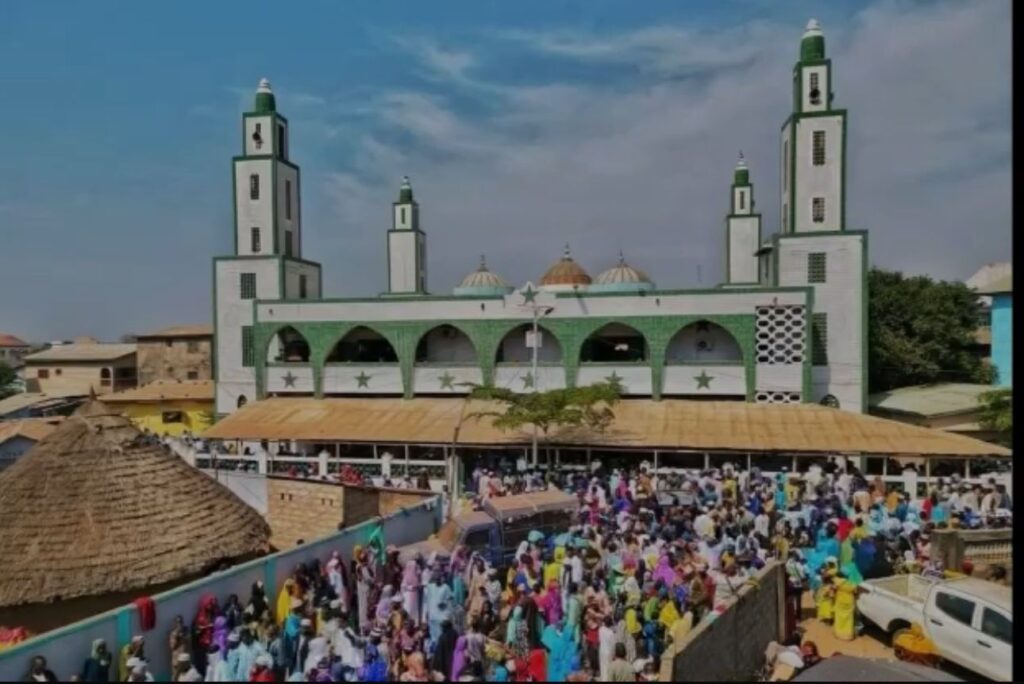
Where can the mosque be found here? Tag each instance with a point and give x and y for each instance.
(788, 325)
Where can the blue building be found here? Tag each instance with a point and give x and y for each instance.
(1001, 292)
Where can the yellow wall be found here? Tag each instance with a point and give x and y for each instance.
(149, 415)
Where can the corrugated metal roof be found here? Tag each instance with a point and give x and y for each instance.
(32, 428)
(199, 330)
(7, 340)
(930, 401)
(639, 423)
(164, 390)
(1000, 285)
(83, 352)
(23, 400)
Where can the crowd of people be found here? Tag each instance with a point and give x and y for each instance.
(644, 563)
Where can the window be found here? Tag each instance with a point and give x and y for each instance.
(57, 371)
(193, 375)
(816, 267)
(280, 141)
(287, 243)
(248, 350)
(819, 339)
(192, 346)
(478, 539)
(785, 165)
(257, 136)
(254, 235)
(242, 402)
(169, 343)
(818, 209)
(956, 607)
(402, 210)
(43, 373)
(818, 148)
(814, 93)
(743, 200)
(168, 417)
(302, 287)
(288, 199)
(254, 186)
(996, 625)
(248, 285)
(104, 377)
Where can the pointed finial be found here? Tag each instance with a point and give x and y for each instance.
(483, 263)
(622, 258)
(814, 25)
(741, 163)
(264, 86)
(565, 254)
(405, 182)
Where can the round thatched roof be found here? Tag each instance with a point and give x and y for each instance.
(93, 509)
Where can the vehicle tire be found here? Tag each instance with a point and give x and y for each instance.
(895, 629)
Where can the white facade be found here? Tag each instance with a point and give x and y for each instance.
(756, 337)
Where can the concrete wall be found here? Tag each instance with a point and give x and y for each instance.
(66, 649)
(70, 378)
(254, 213)
(160, 361)
(731, 647)
(981, 547)
(249, 487)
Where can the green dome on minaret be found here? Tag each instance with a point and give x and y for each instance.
(812, 45)
(264, 98)
(405, 191)
(741, 176)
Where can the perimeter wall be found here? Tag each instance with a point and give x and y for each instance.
(731, 647)
(67, 648)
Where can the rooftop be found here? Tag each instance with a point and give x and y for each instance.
(198, 330)
(164, 390)
(7, 340)
(23, 400)
(83, 352)
(32, 428)
(639, 423)
(931, 401)
(1001, 285)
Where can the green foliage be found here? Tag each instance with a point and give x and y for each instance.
(588, 406)
(8, 381)
(997, 412)
(921, 331)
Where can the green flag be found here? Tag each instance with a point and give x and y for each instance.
(375, 543)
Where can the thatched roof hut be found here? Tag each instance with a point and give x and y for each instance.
(93, 509)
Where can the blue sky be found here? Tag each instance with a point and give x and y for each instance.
(524, 125)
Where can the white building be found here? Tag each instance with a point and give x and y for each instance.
(788, 324)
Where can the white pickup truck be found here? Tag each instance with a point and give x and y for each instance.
(969, 621)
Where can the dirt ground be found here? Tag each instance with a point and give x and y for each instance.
(871, 643)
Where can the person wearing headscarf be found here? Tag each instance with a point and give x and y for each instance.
(537, 664)
(220, 633)
(284, 601)
(411, 590)
(364, 585)
(257, 608)
(336, 579)
(459, 658)
(844, 623)
(550, 603)
(444, 649)
(133, 649)
(558, 640)
(178, 640)
(97, 665)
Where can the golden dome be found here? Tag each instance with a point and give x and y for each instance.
(565, 272)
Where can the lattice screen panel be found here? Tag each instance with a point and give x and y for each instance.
(780, 334)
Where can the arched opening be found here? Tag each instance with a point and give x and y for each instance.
(615, 343)
(703, 342)
(288, 346)
(830, 401)
(242, 401)
(517, 346)
(362, 345)
(446, 344)
(104, 377)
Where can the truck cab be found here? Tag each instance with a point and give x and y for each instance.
(504, 523)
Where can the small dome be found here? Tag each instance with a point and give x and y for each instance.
(812, 44)
(264, 98)
(482, 282)
(622, 278)
(565, 274)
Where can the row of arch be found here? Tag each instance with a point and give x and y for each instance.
(698, 342)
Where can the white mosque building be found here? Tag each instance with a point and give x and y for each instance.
(788, 325)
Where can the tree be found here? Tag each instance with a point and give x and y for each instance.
(921, 331)
(8, 381)
(997, 413)
(588, 406)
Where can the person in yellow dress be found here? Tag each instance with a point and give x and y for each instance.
(824, 598)
(844, 624)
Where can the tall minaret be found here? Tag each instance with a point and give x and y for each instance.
(267, 212)
(407, 246)
(266, 263)
(742, 230)
(813, 145)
